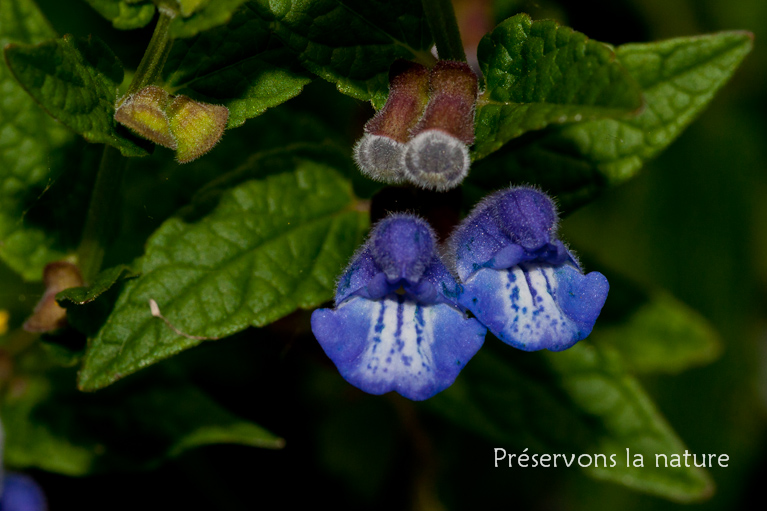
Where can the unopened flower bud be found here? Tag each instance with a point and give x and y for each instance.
(144, 113)
(380, 150)
(196, 126)
(438, 156)
(49, 315)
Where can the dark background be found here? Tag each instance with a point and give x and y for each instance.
(694, 222)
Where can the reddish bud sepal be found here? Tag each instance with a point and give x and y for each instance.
(380, 151)
(48, 315)
(144, 114)
(437, 156)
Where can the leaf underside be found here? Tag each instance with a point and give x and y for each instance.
(351, 43)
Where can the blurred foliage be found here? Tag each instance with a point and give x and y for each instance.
(675, 358)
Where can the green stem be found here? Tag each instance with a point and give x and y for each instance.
(102, 213)
(104, 205)
(150, 68)
(444, 29)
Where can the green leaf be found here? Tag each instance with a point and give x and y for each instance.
(210, 15)
(241, 66)
(576, 162)
(88, 307)
(30, 443)
(29, 136)
(76, 81)
(242, 433)
(275, 240)
(539, 73)
(188, 7)
(579, 401)
(173, 185)
(53, 427)
(124, 15)
(662, 335)
(351, 43)
(66, 353)
(103, 281)
(596, 382)
(507, 403)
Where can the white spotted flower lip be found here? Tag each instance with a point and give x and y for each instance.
(518, 279)
(397, 325)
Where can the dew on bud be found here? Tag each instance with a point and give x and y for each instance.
(144, 114)
(196, 126)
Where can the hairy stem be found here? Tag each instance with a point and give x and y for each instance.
(444, 29)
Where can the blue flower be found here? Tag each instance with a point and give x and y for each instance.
(19, 492)
(397, 324)
(518, 279)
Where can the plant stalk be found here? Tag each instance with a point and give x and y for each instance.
(150, 68)
(444, 28)
(104, 204)
(102, 213)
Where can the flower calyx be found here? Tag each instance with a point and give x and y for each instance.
(422, 133)
(189, 127)
(437, 156)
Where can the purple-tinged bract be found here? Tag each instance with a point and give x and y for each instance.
(379, 153)
(397, 324)
(518, 279)
(437, 155)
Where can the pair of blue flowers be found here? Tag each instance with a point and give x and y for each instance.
(401, 316)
